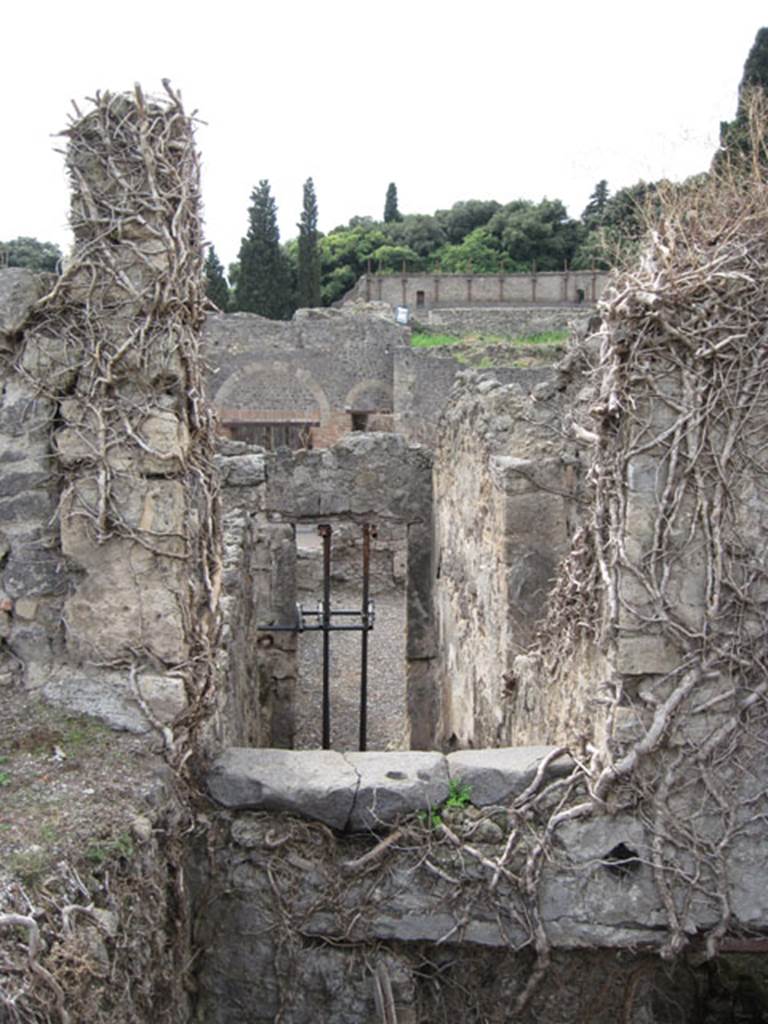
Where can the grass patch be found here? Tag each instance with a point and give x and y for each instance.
(433, 340)
(541, 338)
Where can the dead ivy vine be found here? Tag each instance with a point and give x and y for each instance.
(116, 345)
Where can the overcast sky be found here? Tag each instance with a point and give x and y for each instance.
(481, 100)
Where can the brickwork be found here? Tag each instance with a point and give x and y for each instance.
(320, 367)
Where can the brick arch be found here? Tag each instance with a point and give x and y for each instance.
(369, 395)
(273, 387)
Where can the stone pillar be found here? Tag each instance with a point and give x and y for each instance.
(116, 348)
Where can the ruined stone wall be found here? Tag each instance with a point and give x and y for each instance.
(428, 290)
(110, 551)
(504, 322)
(34, 576)
(505, 493)
(329, 886)
(423, 379)
(316, 368)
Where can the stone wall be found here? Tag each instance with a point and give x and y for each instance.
(331, 884)
(312, 373)
(109, 543)
(423, 379)
(374, 478)
(34, 576)
(315, 370)
(505, 496)
(425, 291)
(508, 322)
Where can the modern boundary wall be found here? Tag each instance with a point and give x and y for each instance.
(427, 291)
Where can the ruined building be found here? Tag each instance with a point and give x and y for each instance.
(574, 824)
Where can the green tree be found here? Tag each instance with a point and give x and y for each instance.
(479, 250)
(263, 281)
(464, 216)
(392, 258)
(308, 264)
(32, 254)
(593, 212)
(535, 234)
(344, 254)
(216, 287)
(735, 136)
(419, 231)
(391, 212)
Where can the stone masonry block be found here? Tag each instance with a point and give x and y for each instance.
(318, 784)
(394, 785)
(496, 776)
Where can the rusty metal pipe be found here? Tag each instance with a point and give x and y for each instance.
(325, 530)
(369, 531)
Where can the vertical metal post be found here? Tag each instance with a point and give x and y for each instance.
(325, 530)
(368, 532)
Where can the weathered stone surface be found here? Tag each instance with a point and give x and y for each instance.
(600, 888)
(20, 289)
(154, 508)
(496, 776)
(242, 470)
(392, 785)
(108, 696)
(318, 784)
(50, 359)
(159, 447)
(32, 570)
(645, 655)
(119, 610)
(165, 696)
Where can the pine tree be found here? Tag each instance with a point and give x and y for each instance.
(308, 275)
(216, 287)
(391, 211)
(263, 281)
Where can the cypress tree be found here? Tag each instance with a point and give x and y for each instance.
(735, 141)
(263, 281)
(308, 274)
(216, 287)
(391, 211)
(595, 208)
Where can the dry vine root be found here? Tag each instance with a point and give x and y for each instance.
(673, 552)
(115, 345)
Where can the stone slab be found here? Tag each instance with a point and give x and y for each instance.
(317, 784)
(107, 696)
(242, 470)
(497, 776)
(394, 784)
(20, 289)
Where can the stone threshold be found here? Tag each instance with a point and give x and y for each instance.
(362, 792)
